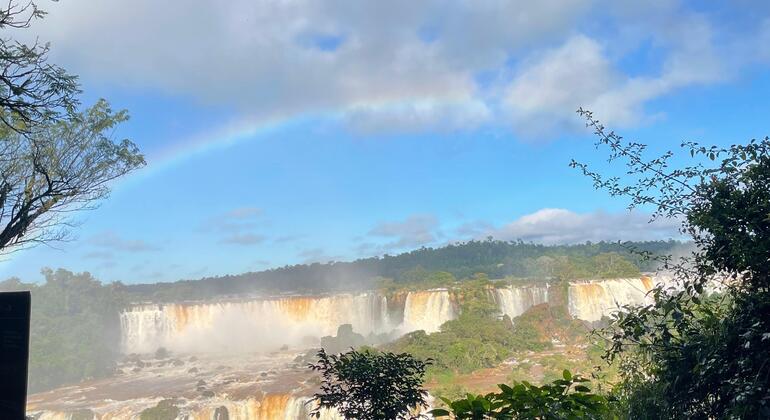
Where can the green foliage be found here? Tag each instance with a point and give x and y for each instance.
(696, 354)
(370, 385)
(425, 268)
(564, 398)
(570, 267)
(32, 90)
(477, 338)
(75, 328)
(54, 169)
(164, 410)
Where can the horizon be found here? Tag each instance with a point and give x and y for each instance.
(220, 276)
(378, 131)
(217, 276)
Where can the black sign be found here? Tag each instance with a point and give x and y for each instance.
(14, 353)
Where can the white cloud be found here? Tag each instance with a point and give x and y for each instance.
(412, 117)
(243, 239)
(109, 240)
(544, 94)
(399, 65)
(244, 213)
(273, 59)
(560, 226)
(414, 231)
(236, 227)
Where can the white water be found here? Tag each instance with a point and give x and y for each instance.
(591, 300)
(298, 321)
(260, 324)
(515, 300)
(427, 310)
(267, 324)
(271, 407)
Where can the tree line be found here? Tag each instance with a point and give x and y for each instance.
(497, 259)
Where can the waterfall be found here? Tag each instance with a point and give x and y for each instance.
(427, 310)
(270, 407)
(269, 323)
(591, 300)
(259, 324)
(515, 300)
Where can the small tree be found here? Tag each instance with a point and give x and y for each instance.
(370, 385)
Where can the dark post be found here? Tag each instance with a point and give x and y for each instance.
(14, 353)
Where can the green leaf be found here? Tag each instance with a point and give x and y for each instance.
(439, 412)
(567, 375)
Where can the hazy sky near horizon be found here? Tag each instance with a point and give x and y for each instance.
(282, 132)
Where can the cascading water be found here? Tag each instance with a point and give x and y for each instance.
(269, 407)
(515, 300)
(591, 300)
(258, 385)
(427, 310)
(260, 324)
(268, 323)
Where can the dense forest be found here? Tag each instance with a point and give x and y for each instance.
(497, 259)
(75, 318)
(75, 328)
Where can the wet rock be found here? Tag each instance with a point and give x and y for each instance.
(177, 362)
(221, 413)
(192, 370)
(82, 414)
(161, 353)
(165, 410)
(208, 394)
(201, 382)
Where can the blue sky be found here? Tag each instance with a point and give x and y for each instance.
(300, 131)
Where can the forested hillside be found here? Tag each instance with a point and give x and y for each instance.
(497, 259)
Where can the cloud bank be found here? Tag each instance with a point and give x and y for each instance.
(404, 65)
(561, 226)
